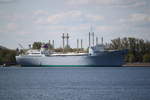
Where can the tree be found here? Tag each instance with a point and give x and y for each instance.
(37, 45)
(116, 43)
(136, 47)
(146, 57)
(130, 58)
(7, 56)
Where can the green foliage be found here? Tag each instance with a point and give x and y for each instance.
(116, 43)
(130, 58)
(7, 56)
(146, 57)
(137, 48)
(37, 45)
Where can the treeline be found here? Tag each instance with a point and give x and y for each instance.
(7, 56)
(37, 45)
(138, 49)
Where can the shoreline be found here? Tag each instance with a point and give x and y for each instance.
(137, 64)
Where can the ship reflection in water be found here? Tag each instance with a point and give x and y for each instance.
(74, 83)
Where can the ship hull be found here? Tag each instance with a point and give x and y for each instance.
(114, 58)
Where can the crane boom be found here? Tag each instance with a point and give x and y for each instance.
(20, 45)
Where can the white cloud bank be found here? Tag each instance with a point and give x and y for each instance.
(123, 3)
(139, 17)
(136, 18)
(70, 16)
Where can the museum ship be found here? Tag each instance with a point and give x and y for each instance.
(96, 56)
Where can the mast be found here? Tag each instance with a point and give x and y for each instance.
(77, 43)
(102, 40)
(49, 44)
(96, 40)
(53, 44)
(81, 44)
(67, 37)
(89, 39)
(93, 38)
(63, 37)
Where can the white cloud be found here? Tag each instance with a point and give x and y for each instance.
(13, 17)
(40, 12)
(64, 28)
(94, 17)
(10, 27)
(7, 1)
(104, 28)
(136, 18)
(123, 3)
(70, 16)
(137, 4)
(139, 17)
(56, 18)
(40, 21)
(24, 32)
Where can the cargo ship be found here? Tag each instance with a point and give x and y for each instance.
(96, 56)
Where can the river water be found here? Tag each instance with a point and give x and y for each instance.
(75, 83)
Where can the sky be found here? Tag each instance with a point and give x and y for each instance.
(26, 21)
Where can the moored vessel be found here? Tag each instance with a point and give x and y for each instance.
(96, 55)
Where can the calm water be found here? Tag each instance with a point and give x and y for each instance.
(75, 83)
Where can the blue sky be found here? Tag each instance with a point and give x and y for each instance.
(24, 22)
